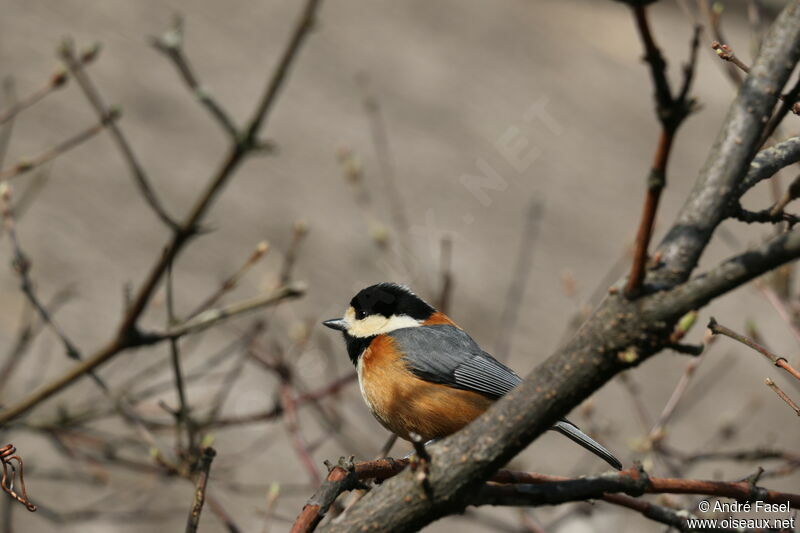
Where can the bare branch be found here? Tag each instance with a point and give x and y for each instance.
(777, 360)
(200, 491)
(621, 333)
(27, 165)
(77, 71)
(726, 167)
(128, 335)
(170, 44)
(782, 395)
(56, 81)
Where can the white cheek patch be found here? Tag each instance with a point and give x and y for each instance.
(378, 324)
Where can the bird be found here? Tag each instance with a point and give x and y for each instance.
(421, 375)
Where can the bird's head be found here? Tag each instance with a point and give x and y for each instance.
(380, 309)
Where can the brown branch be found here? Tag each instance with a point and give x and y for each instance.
(128, 335)
(789, 100)
(8, 454)
(655, 184)
(211, 317)
(56, 81)
(782, 395)
(527, 488)
(671, 112)
(183, 418)
(299, 443)
(75, 67)
(232, 281)
(27, 165)
(299, 233)
(777, 360)
(618, 327)
(200, 490)
(171, 45)
(726, 52)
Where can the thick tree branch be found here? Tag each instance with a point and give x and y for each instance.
(534, 489)
(728, 162)
(619, 334)
(769, 161)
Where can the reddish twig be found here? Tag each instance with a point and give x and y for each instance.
(655, 184)
(726, 52)
(777, 360)
(671, 111)
(790, 99)
(347, 476)
(299, 443)
(8, 454)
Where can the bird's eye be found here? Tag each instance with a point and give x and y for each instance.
(361, 314)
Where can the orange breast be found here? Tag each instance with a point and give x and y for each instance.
(404, 403)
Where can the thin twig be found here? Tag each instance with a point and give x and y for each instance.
(128, 335)
(200, 490)
(671, 112)
(299, 232)
(726, 52)
(299, 443)
(170, 43)
(92, 94)
(208, 318)
(782, 395)
(182, 416)
(22, 266)
(56, 81)
(27, 165)
(777, 360)
(9, 94)
(232, 281)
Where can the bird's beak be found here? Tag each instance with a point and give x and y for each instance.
(336, 323)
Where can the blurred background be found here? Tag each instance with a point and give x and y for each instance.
(503, 145)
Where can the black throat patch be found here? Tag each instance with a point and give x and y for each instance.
(356, 345)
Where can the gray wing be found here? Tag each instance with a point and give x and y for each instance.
(447, 355)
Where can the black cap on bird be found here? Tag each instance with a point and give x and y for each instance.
(420, 373)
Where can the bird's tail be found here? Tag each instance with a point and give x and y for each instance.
(571, 431)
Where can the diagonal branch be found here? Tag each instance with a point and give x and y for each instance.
(171, 45)
(621, 333)
(75, 67)
(128, 335)
(728, 162)
(671, 112)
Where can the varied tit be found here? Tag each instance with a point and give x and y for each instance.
(421, 373)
